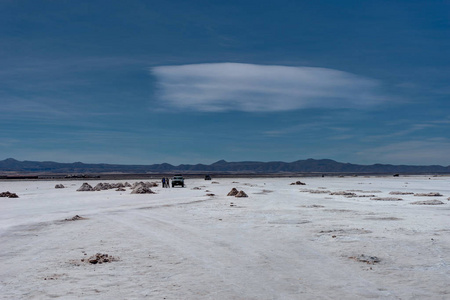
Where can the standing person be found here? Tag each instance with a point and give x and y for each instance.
(168, 182)
(163, 182)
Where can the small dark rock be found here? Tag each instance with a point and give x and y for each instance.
(100, 258)
(371, 260)
(298, 183)
(9, 195)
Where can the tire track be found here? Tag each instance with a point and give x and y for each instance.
(257, 267)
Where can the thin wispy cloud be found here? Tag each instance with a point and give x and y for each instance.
(412, 129)
(19, 106)
(219, 87)
(430, 151)
(299, 128)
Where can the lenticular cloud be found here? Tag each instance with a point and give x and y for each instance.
(253, 88)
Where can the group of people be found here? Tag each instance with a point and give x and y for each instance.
(165, 182)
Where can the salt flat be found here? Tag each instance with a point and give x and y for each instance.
(282, 242)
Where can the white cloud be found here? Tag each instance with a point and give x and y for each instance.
(249, 87)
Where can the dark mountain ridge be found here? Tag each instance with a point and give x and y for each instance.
(11, 165)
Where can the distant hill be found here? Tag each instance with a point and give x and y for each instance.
(11, 165)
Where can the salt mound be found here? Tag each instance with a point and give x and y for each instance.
(428, 202)
(315, 191)
(136, 184)
(343, 193)
(313, 206)
(428, 195)
(117, 185)
(241, 194)
(9, 195)
(401, 193)
(386, 199)
(142, 190)
(59, 186)
(233, 192)
(298, 183)
(319, 191)
(101, 186)
(85, 187)
(144, 184)
(75, 218)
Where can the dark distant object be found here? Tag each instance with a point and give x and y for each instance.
(59, 186)
(75, 218)
(298, 183)
(178, 180)
(396, 175)
(9, 195)
(207, 177)
(82, 176)
(323, 175)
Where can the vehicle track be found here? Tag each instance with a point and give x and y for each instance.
(259, 267)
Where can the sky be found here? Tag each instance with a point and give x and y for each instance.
(144, 82)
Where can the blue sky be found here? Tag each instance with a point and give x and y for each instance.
(142, 82)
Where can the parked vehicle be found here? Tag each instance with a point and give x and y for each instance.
(207, 177)
(178, 180)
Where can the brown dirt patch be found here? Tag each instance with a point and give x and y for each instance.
(371, 260)
(100, 258)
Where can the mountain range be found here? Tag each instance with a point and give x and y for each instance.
(11, 165)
